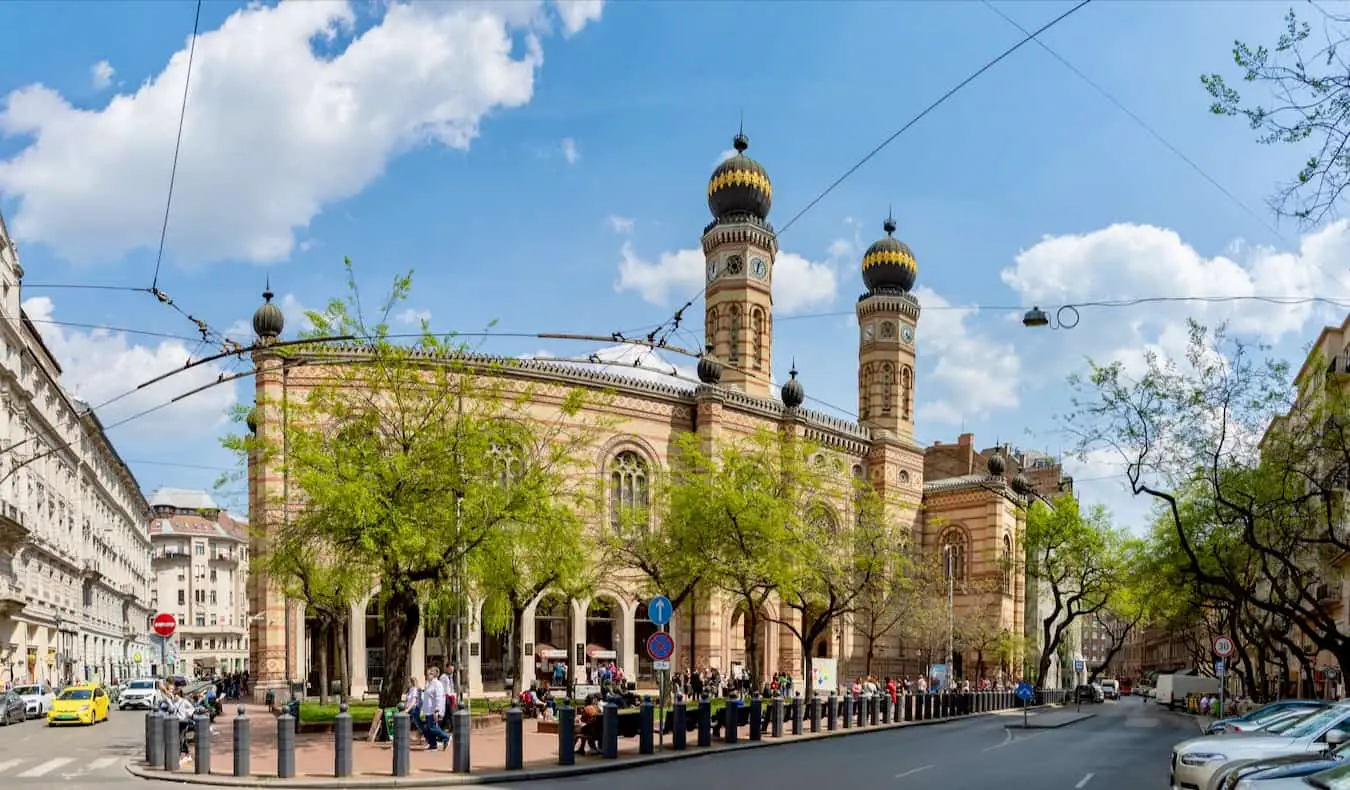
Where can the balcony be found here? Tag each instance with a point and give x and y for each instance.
(11, 597)
(170, 555)
(225, 556)
(89, 570)
(13, 527)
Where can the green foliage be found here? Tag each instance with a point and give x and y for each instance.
(1309, 86)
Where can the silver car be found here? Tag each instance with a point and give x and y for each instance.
(37, 698)
(1337, 778)
(1195, 761)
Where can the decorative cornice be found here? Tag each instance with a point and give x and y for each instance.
(903, 303)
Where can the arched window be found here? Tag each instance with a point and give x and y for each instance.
(710, 328)
(954, 557)
(757, 337)
(821, 521)
(1008, 563)
(865, 391)
(505, 461)
(906, 390)
(887, 387)
(628, 498)
(734, 355)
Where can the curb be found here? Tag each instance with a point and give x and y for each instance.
(134, 768)
(1081, 717)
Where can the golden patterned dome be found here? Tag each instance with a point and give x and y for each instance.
(889, 265)
(740, 185)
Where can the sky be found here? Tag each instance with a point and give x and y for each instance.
(543, 166)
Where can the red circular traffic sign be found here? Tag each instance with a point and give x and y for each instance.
(1223, 647)
(164, 624)
(660, 646)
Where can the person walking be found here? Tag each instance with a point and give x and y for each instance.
(433, 708)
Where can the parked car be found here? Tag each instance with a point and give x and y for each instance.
(1088, 693)
(37, 698)
(1290, 766)
(1195, 761)
(12, 708)
(1261, 713)
(1275, 723)
(1334, 778)
(1110, 689)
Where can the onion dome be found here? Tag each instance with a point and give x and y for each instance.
(740, 186)
(794, 394)
(1022, 485)
(888, 265)
(709, 369)
(996, 465)
(268, 320)
(252, 420)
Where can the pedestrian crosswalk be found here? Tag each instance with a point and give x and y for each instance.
(55, 767)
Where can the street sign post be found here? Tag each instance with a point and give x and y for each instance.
(1223, 648)
(660, 646)
(164, 625)
(1025, 693)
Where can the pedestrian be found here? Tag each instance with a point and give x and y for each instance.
(433, 708)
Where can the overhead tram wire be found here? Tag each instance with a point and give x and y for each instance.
(177, 146)
(669, 325)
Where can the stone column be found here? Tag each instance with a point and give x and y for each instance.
(267, 633)
(356, 650)
(627, 634)
(417, 661)
(471, 670)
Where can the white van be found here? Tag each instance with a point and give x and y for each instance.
(1110, 688)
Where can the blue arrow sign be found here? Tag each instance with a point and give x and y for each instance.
(1024, 691)
(659, 610)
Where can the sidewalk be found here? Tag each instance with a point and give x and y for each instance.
(372, 763)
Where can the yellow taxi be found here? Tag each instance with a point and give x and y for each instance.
(82, 703)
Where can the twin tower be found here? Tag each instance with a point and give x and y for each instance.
(740, 247)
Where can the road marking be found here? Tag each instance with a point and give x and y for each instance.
(5, 765)
(46, 768)
(1007, 737)
(913, 771)
(102, 762)
(1083, 781)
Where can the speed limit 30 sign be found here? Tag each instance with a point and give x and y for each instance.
(1223, 647)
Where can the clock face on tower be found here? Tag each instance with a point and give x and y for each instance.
(735, 264)
(907, 333)
(869, 330)
(758, 268)
(712, 270)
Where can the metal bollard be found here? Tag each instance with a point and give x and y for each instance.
(756, 717)
(202, 758)
(874, 710)
(609, 738)
(815, 713)
(515, 738)
(861, 711)
(567, 734)
(242, 736)
(459, 742)
(797, 713)
(731, 719)
(885, 708)
(342, 742)
(846, 710)
(154, 739)
(171, 735)
(402, 738)
(704, 721)
(286, 745)
(646, 720)
(832, 712)
(776, 718)
(679, 724)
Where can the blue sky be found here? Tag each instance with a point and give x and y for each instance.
(544, 166)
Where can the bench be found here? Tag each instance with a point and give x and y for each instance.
(630, 725)
(742, 717)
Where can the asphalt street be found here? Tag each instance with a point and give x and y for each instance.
(34, 756)
(1125, 746)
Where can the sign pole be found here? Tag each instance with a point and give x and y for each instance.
(1223, 648)
(661, 676)
(661, 647)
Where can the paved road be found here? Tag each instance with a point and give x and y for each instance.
(1124, 747)
(34, 756)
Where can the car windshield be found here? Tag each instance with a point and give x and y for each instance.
(75, 694)
(22, 690)
(1279, 726)
(1337, 778)
(142, 684)
(1314, 724)
(1281, 713)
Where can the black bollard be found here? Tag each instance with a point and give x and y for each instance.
(242, 736)
(704, 721)
(776, 718)
(797, 713)
(609, 740)
(154, 740)
(342, 742)
(286, 745)
(731, 716)
(646, 720)
(860, 710)
(885, 708)
(459, 757)
(402, 739)
(515, 738)
(679, 720)
(874, 710)
(756, 717)
(202, 758)
(172, 733)
(815, 713)
(846, 710)
(567, 734)
(832, 712)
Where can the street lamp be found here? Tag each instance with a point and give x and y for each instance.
(951, 610)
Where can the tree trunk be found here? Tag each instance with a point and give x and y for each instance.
(752, 644)
(321, 656)
(344, 657)
(1043, 667)
(516, 663)
(402, 620)
(979, 664)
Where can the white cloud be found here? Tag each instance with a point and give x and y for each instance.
(414, 317)
(102, 73)
(974, 375)
(100, 365)
(576, 14)
(619, 224)
(570, 151)
(724, 156)
(798, 284)
(1099, 478)
(319, 126)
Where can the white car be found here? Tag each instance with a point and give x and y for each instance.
(140, 693)
(1195, 761)
(37, 699)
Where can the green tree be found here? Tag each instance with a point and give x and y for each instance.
(1307, 85)
(747, 501)
(1075, 560)
(395, 450)
(889, 605)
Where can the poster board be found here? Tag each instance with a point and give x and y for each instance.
(823, 675)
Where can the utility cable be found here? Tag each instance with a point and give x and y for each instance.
(668, 326)
(177, 145)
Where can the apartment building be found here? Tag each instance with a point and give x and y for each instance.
(74, 548)
(201, 569)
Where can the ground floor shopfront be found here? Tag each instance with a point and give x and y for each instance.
(40, 646)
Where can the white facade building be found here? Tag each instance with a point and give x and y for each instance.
(74, 545)
(201, 572)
